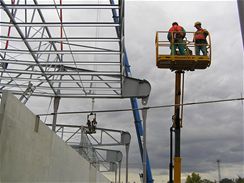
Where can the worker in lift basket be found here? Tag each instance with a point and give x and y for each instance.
(200, 39)
(176, 34)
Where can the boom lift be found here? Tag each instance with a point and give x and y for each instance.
(188, 62)
(179, 63)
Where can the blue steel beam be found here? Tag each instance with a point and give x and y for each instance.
(134, 103)
(240, 4)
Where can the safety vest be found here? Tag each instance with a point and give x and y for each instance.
(173, 28)
(177, 28)
(201, 34)
(179, 32)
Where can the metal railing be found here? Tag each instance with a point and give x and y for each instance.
(163, 45)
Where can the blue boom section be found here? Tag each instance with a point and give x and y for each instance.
(138, 125)
(134, 103)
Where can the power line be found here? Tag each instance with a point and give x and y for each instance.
(149, 107)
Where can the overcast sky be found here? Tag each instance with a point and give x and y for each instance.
(210, 131)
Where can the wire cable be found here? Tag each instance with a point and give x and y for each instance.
(149, 107)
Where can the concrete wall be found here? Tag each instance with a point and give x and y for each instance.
(31, 152)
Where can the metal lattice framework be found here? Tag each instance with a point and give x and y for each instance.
(77, 137)
(65, 49)
(71, 49)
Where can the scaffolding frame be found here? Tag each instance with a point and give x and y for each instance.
(42, 58)
(41, 48)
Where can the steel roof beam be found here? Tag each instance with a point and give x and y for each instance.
(14, 78)
(14, 12)
(58, 24)
(71, 39)
(63, 88)
(102, 76)
(26, 43)
(85, 46)
(69, 95)
(30, 63)
(109, 85)
(58, 80)
(54, 46)
(63, 6)
(58, 73)
(60, 52)
(91, 73)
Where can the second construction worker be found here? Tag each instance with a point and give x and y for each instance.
(176, 34)
(200, 39)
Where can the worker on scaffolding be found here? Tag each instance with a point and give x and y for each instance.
(176, 34)
(94, 125)
(200, 39)
(89, 125)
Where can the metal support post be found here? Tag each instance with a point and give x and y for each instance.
(115, 177)
(121, 36)
(126, 168)
(171, 156)
(120, 170)
(144, 116)
(55, 108)
(177, 126)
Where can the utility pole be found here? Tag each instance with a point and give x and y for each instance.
(218, 163)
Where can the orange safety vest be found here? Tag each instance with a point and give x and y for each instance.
(176, 28)
(179, 29)
(200, 34)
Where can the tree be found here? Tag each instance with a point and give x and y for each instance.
(239, 180)
(193, 178)
(206, 181)
(226, 180)
(196, 178)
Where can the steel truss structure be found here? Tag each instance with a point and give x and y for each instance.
(55, 49)
(87, 145)
(68, 50)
